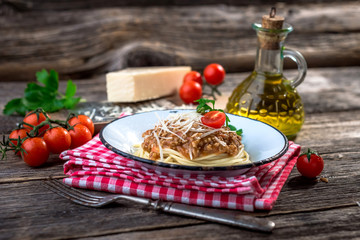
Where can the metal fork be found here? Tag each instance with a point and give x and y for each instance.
(210, 214)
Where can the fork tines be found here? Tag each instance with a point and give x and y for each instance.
(71, 193)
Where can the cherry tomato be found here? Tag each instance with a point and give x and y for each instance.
(214, 74)
(36, 153)
(18, 133)
(79, 135)
(310, 164)
(34, 119)
(57, 139)
(214, 119)
(190, 91)
(84, 120)
(193, 76)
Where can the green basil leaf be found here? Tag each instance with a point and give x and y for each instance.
(203, 107)
(32, 104)
(70, 89)
(70, 103)
(53, 105)
(239, 132)
(34, 87)
(227, 120)
(53, 81)
(49, 79)
(46, 97)
(38, 95)
(42, 76)
(15, 105)
(232, 128)
(204, 101)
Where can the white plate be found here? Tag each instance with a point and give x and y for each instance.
(263, 142)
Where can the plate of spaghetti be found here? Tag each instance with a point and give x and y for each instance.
(179, 139)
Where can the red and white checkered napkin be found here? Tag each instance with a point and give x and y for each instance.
(93, 166)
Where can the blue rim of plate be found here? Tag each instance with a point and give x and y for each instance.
(193, 168)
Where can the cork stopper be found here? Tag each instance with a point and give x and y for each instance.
(269, 40)
(272, 21)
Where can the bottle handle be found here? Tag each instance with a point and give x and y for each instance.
(301, 64)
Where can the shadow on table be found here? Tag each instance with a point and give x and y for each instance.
(301, 182)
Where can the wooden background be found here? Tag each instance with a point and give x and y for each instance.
(84, 39)
(81, 39)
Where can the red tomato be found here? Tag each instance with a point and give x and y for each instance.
(36, 153)
(34, 119)
(57, 139)
(16, 133)
(310, 164)
(84, 120)
(190, 91)
(214, 74)
(193, 76)
(79, 135)
(214, 119)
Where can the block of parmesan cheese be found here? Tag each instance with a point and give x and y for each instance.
(143, 83)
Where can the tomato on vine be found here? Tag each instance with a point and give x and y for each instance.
(57, 139)
(84, 120)
(310, 164)
(193, 76)
(80, 135)
(35, 152)
(214, 74)
(190, 91)
(15, 134)
(40, 135)
(35, 118)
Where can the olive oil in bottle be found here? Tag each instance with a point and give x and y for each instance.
(266, 95)
(270, 99)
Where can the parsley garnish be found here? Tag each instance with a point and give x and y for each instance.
(44, 94)
(238, 131)
(203, 108)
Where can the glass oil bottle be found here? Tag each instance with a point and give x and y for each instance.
(266, 95)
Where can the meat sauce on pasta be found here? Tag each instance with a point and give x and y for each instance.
(183, 139)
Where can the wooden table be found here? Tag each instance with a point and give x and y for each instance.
(306, 209)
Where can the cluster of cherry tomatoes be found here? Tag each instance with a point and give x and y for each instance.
(192, 87)
(39, 135)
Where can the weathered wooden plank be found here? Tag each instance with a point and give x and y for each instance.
(56, 217)
(333, 224)
(75, 44)
(30, 211)
(12, 6)
(342, 181)
(13, 169)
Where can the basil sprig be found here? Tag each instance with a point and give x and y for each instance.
(44, 94)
